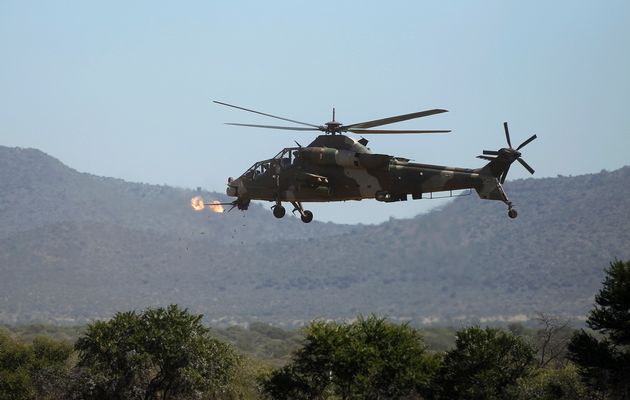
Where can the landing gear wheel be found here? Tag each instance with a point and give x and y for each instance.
(307, 216)
(512, 213)
(278, 211)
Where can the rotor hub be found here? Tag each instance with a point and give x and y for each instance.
(333, 127)
(509, 154)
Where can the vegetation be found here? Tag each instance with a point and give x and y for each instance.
(35, 370)
(551, 384)
(92, 246)
(604, 362)
(484, 365)
(269, 358)
(166, 353)
(367, 359)
(551, 341)
(261, 341)
(157, 354)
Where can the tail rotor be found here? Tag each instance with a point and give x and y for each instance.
(508, 154)
(500, 162)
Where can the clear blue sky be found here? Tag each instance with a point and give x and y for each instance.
(124, 89)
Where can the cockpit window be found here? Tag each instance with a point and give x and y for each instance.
(260, 168)
(284, 158)
(287, 156)
(286, 153)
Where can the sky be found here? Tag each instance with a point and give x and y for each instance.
(125, 89)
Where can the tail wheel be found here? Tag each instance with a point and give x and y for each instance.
(307, 216)
(512, 213)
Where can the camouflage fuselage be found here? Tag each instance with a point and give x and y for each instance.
(338, 168)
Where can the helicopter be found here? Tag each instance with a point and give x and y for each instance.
(337, 167)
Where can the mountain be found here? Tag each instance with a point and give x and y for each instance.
(75, 247)
(37, 190)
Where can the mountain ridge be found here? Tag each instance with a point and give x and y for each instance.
(466, 261)
(38, 189)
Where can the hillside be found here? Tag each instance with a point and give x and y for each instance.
(469, 261)
(37, 190)
(75, 246)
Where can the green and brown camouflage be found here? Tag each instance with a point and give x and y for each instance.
(339, 168)
(335, 167)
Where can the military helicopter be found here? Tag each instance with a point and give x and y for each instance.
(336, 167)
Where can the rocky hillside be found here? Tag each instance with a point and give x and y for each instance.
(75, 246)
(37, 190)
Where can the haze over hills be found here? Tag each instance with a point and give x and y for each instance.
(37, 190)
(75, 247)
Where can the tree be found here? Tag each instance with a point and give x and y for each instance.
(289, 383)
(604, 363)
(483, 365)
(368, 359)
(157, 354)
(50, 367)
(15, 380)
(551, 384)
(38, 370)
(551, 340)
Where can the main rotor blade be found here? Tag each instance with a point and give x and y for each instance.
(507, 135)
(524, 164)
(486, 158)
(491, 152)
(379, 131)
(398, 118)
(504, 174)
(266, 115)
(288, 128)
(525, 143)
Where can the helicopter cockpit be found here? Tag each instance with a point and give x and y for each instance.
(258, 169)
(287, 156)
(284, 159)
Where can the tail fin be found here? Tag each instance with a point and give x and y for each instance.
(490, 188)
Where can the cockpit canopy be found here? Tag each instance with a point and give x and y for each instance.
(291, 155)
(283, 159)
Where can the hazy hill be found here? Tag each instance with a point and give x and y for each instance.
(75, 246)
(37, 190)
(469, 261)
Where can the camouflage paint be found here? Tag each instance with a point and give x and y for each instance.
(339, 168)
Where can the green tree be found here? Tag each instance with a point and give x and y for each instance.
(289, 383)
(112, 356)
(38, 370)
(604, 363)
(15, 379)
(368, 359)
(483, 365)
(551, 384)
(50, 367)
(157, 354)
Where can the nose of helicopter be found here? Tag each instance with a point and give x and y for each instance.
(232, 189)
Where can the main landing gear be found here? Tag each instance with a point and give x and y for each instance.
(278, 211)
(305, 215)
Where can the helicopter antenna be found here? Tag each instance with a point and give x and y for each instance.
(333, 113)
